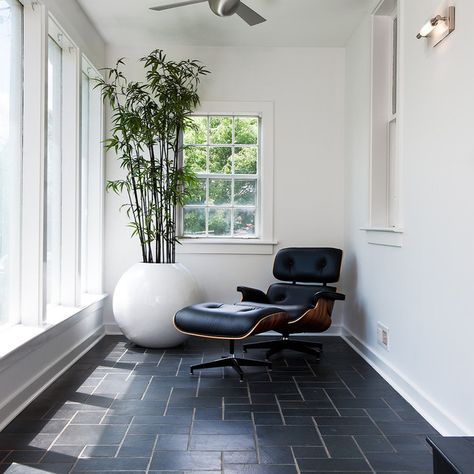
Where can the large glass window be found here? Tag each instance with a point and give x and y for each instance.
(11, 87)
(85, 129)
(53, 174)
(223, 151)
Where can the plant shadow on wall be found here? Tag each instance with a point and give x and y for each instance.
(148, 120)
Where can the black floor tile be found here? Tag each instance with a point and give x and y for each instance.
(239, 457)
(222, 427)
(414, 462)
(313, 452)
(374, 444)
(227, 442)
(276, 455)
(335, 465)
(186, 460)
(258, 469)
(342, 447)
(131, 410)
(288, 435)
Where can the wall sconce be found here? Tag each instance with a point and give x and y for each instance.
(438, 27)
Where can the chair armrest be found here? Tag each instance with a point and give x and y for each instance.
(253, 295)
(328, 295)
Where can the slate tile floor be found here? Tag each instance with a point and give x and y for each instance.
(126, 409)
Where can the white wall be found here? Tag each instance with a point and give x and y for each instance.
(422, 291)
(307, 88)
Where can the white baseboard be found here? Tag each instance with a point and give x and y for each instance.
(422, 402)
(27, 394)
(114, 330)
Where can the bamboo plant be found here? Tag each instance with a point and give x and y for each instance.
(148, 119)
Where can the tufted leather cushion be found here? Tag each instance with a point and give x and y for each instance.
(220, 320)
(292, 299)
(294, 311)
(308, 265)
(281, 294)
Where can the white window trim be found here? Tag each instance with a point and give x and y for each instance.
(376, 235)
(34, 154)
(70, 172)
(265, 242)
(38, 25)
(96, 189)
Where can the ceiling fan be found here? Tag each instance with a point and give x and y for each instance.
(222, 8)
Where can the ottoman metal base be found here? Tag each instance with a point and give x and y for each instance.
(232, 361)
(306, 347)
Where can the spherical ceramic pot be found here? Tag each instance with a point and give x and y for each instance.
(146, 299)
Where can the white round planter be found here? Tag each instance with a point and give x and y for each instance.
(146, 299)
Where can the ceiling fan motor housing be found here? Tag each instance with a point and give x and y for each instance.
(224, 7)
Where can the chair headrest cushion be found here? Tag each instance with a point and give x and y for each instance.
(308, 265)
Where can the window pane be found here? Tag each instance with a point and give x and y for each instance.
(85, 126)
(195, 159)
(244, 223)
(220, 160)
(194, 221)
(53, 174)
(197, 194)
(10, 157)
(219, 222)
(245, 160)
(246, 130)
(245, 192)
(220, 130)
(196, 133)
(220, 191)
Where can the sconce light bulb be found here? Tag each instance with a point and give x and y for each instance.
(426, 30)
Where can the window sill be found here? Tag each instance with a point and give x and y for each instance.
(226, 246)
(19, 340)
(386, 236)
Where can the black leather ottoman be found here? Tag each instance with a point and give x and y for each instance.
(228, 322)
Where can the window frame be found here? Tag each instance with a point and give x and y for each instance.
(264, 243)
(207, 175)
(70, 172)
(92, 264)
(34, 312)
(15, 217)
(385, 223)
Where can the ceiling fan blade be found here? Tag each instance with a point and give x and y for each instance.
(250, 16)
(176, 5)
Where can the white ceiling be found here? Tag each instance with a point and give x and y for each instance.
(290, 23)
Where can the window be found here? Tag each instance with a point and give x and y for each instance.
(385, 166)
(224, 152)
(85, 131)
(91, 181)
(54, 174)
(11, 95)
(40, 171)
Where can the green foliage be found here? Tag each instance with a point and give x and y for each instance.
(219, 222)
(195, 221)
(246, 130)
(222, 145)
(245, 160)
(147, 121)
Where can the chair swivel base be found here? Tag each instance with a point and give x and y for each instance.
(306, 347)
(232, 361)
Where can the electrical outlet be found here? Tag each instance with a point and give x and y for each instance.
(382, 335)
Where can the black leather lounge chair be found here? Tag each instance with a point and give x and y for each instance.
(305, 296)
(286, 308)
